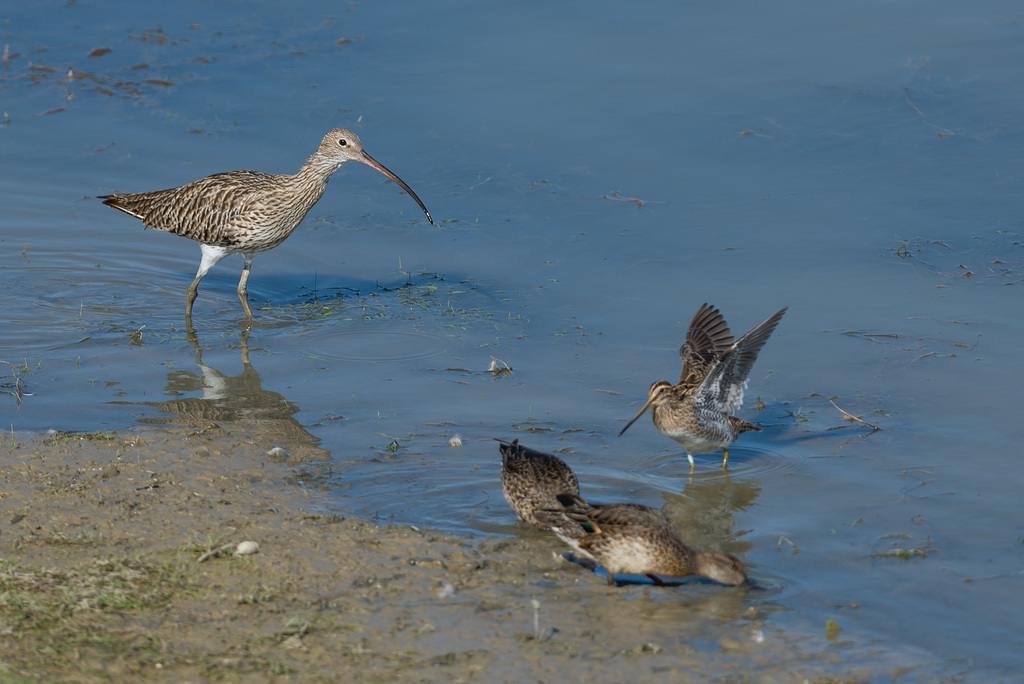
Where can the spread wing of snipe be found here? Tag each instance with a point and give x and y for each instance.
(707, 338)
(723, 387)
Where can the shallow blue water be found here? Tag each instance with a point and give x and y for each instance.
(857, 163)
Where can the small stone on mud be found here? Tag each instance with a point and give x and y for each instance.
(294, 643)
(730, 644)
(246, 548)
(278, 454)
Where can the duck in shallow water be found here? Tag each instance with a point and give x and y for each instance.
(636, 540)
(532, 480)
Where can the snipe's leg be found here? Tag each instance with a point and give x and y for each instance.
(243, 293)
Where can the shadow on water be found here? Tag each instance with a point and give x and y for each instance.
(237, 402)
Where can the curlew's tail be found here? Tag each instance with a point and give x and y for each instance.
(123, 203)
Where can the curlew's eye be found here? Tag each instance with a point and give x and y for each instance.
(343, 142)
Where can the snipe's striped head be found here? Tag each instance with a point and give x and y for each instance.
(660, 391)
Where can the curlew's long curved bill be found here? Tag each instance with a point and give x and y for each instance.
(638, 414)
(374, 164)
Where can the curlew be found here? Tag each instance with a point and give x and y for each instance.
(696, 412)
(246, 212)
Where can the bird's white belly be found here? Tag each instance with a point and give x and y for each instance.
(714, 440)
(628, 556)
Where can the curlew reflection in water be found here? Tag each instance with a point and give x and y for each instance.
(234, 403)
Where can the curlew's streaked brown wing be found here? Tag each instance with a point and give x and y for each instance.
(707, 338)
(203, 210)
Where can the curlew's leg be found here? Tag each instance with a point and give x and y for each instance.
(690, 456)
(725, 463)
(611, 578)
(243, 293)
(193, 292)
(211, 255)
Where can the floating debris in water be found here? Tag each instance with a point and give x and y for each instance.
(455, 441)
(622, 198)
(498, 367)
(136, 337)
(831, 630)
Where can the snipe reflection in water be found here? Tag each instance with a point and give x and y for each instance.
(705, 511)
(234, 403)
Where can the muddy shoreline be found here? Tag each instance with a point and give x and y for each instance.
(100, 582)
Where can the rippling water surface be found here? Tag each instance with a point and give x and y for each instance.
(596, 172)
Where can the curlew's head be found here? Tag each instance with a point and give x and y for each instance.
(660, 391)
(341, 145)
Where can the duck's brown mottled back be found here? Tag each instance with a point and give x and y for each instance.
(532, 480)
(637, 540)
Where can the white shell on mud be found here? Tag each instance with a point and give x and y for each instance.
(246, 548)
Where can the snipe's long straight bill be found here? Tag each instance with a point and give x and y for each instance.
(373, 163)
(639, 413)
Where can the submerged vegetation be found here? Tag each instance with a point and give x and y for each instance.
(13, 382)
(423, 296)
